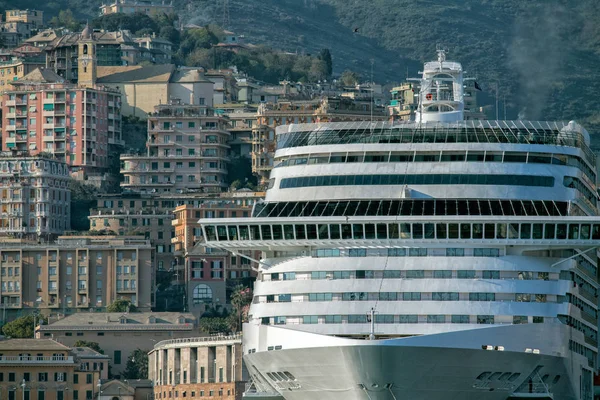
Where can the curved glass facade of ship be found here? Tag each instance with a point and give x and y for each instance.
(431, 259)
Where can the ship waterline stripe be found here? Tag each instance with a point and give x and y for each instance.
(426, 179)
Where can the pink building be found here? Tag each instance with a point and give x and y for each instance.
(76, 124)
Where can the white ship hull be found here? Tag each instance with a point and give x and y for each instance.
(419, 368)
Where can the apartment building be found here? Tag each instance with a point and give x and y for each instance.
(75, 273)
(203, 367)
(44, 369)
(242, 119)
(35, 199)
(285, 112)
(137, 6)
(14, 70)
(119, 334)
(33, 17)
(207, 270)
(78, 125)
(155, 49)
(187, 151)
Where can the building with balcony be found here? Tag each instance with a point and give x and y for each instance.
(137, 6)
(75, 273)
(35, 199)
(155, 49)
(119, 334)
(242, 120)
(198, 367)
(187, 150)
(78, 125)
(208, 270)
(44, 369)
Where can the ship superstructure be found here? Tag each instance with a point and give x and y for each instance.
(431, 259)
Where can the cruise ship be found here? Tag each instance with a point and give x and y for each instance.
(434, 259)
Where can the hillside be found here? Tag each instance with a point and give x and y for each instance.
(542, 53)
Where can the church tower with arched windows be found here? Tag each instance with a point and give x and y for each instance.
(86, 69)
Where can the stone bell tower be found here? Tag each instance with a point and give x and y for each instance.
(86, 58)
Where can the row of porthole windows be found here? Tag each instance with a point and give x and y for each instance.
(443, 156)
(418, 230)
(412, 274)
(422, 179)
(398, 319)
(412, 296)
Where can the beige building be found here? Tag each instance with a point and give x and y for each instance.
(208, 367)
(14, 70)
(35, 199)
(76, 273)
(137, 6)
(144, 87)
(43, 369)
(33, 17)
(156, 50)
(187, 151)
(119, 334)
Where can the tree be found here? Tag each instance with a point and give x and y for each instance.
(121, 305)
(318, 70)
(325, 56)
(65, 19)
(92, 345)
(349, 78)
(212, 325)
(240, 301)
(137, 365)
(22, 327)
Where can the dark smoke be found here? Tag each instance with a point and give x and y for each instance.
(537, 54)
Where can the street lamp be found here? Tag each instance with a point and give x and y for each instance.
(99, 385)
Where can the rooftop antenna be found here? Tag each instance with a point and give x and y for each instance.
(441, 52)
(226, 19)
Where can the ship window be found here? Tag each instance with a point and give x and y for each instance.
(556, 379)
(475, 156)
(415, 274)
(525, 231)
(483, 375)
(277, 232)
(465, 274)
(405, 231)
(210, 233)
(465, 231)
(585, 231)
(409, 319)
(519, 319)
(453, 252)
(462, 319)
(441, 231)
(442, 274)
(244, 233)
(436, 319)
(417, 231)
(549, 231)
(513, 231)
(357, 229)
(369, 231)
(395, 233)
(500, 231)
(334, 231)
(596, 232)
(333, 319)
(323, 232)
(222, 233)
(491, 274)
(346, 231)
(537, 231)
(254, 232)
(396, 253)
(381, 231)
(495, 375)
(573, 231)
(515, 157)
(453, 231)
(561, 231)
(232, 232)
(300, 232)
(489, 231)
(288, 232)
(266, 232)
(310, 319)
(311, 232)
(485, 319)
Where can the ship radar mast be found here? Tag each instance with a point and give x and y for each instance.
(441, 98)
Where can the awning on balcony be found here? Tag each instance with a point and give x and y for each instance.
(48, 107)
